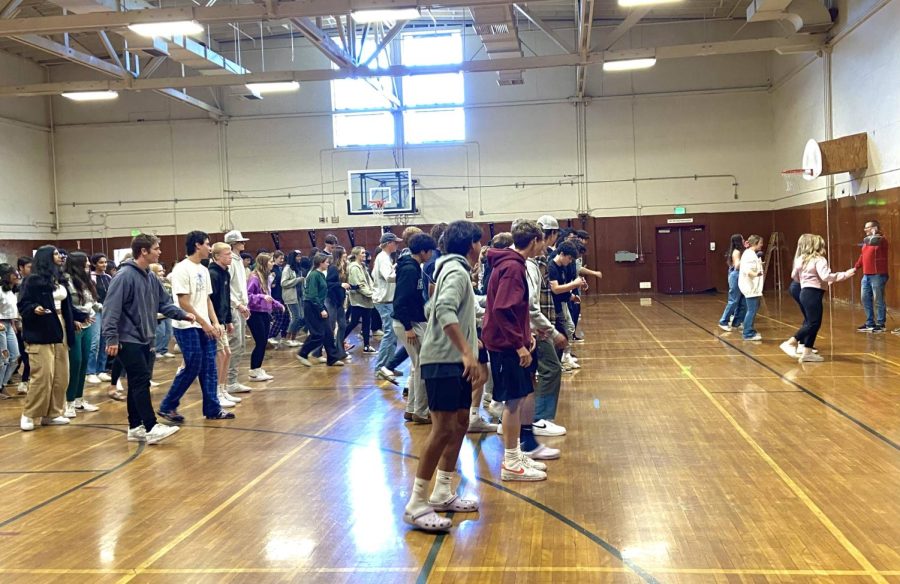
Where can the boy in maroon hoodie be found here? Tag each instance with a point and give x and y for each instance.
(506, 335)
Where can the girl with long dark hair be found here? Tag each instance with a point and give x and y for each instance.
(83, 294)
(292, 279)
(737, 304)
(48, 325)
(96, 367)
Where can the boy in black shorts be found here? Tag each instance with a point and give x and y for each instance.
(508, 339)
(449, 364)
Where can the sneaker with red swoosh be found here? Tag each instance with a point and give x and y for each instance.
(518, 471)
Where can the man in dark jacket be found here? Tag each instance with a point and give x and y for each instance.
(507, 337)
(134, 298)
(410, 320)
(220, 278)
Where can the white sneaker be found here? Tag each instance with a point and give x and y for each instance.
(811, 358)
(800, 349)
(260, 375)
(322, 359)
(70, 410)
(789, 349)
(223, 401)
(520, 471)
(530, 462)
(138, 434)
(756, 337)
(160, 432)
(547, 428)
(304, 361)
(26, 423)
(104, 376)
(119, 385)
(154, 383)
(57, 421)
(725, 328)
(230, 397)
(81, 404)
(500, 428)
(22, 389)
(93, 379)
(274, 343)
(543, 452)
(169, 355)
(385, 373)
(495, 409)
(237, 388)
(293, 344)
(479, 424)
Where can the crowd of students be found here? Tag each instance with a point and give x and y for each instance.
(810, 278)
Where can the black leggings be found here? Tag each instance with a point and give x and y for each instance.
(811, 301)
(320, 334)
(259, 327)
(795, 294)
(360, 314)
(23, 356)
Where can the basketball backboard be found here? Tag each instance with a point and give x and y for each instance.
(394, 186)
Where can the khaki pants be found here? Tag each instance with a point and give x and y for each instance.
(49, 378)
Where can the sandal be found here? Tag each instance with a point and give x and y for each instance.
(456, 505)
(116, 395)
(428, 520)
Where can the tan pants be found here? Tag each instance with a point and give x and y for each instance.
(49, 379)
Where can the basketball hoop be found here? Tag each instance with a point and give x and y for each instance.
(377, 206)
(793, 176)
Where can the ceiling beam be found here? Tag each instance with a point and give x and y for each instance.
(223, 13)
(388, 37)
(110, 50)
(322, 41)
(585, 25)
(544, 27)
(70, 54)
(630, 21)
(10, 8)
(800, 43)
(183, 97)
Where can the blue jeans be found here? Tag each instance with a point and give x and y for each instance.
(96, 357)
(873, 289)
(737, 304)
(199, 352)
(389, 340)
(163, 336)
(10, 344)
(752, 309)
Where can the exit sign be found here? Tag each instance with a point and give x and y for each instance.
(680, 210)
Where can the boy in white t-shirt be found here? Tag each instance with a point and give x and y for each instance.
(192, 286)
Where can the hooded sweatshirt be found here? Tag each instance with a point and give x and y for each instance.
(453, 303)
(507, 323)
(409, 304)
(132, 301)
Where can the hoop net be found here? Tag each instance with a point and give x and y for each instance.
(793, 177)
(377, 206)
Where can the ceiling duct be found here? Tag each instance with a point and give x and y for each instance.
(805, 16)
(496, 26)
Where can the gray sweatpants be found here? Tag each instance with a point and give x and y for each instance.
(238, 343)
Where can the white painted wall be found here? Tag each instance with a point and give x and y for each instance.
(865, 98)
(25, 172)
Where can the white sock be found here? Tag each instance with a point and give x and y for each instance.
(417, 500)
(443, 487)
(511, 456)
(474, 412)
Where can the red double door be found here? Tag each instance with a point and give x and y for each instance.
(681, 259)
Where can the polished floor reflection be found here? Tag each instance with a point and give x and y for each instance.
(692, 456)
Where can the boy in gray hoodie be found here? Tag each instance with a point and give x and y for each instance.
(129, 327)
(450, 367)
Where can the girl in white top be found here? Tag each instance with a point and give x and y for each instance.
(750, 281)
(9, 313)
(812, 271)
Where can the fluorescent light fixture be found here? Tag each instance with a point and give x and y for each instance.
(90, 95)
(273, 87)
(165, 29)
(633, 3)
(629, 64)
(388, 15)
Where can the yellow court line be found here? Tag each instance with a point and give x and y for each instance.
(798, 491)
(723, 356)
(143, 566)
(880, 358)
(664, 570)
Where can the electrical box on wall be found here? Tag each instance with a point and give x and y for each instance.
(626, 256)
(645, 285)
(712, 246)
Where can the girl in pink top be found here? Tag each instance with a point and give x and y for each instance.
(812, 271)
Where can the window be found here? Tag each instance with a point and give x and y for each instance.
(429, 106)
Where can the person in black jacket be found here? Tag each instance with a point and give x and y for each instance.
(410, 320)
(336, 279)
(221, 298)
(48, 325)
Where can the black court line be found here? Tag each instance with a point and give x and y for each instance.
(80, 485)
(34, 472)
(799, 386)
(761, 391)
(611, 549)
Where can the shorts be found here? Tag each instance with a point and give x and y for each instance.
(448, 394)
(511, 381)
(222, 342)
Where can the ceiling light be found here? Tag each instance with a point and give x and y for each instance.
(389, 15)
(633, 3)
(90, 95)
(165, 29)
(629, 64)
(273, 87)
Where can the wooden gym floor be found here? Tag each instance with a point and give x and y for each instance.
(691, 457)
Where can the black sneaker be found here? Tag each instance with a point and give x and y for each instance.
(405, 392)
(865, 328)
(222, 415)
(877, 329)
(369, 350)
(172, 416)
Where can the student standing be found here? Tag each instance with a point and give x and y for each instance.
(96, 368)
(360, 293)
(316, 316)
(261, 305)
(82, 291)
(48, 325)
(292, 279)
(164, 325)
(385, 280)
(220, 280)
(736, 306)
(450, 368)
(134, 298)
(873, 261)
(280, 319)
(9, 314)
(197, 340)
(563, 284)
(750, 281)
(793, 346)
(239, 311)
